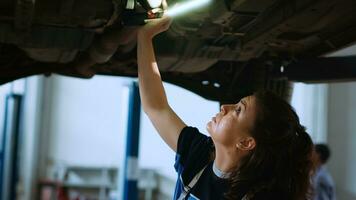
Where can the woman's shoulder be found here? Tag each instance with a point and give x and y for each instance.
(194, 151)
(191, 136)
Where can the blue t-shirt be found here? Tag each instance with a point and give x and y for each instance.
(324, 188)
(194, 150)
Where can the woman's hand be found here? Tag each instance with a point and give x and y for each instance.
(154, 27)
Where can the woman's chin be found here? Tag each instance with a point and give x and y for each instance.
(209, 127)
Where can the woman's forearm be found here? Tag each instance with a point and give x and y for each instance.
(152, 93)
(153, 97)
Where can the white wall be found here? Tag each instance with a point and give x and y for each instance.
(311, 104)
(342, 138)
(86, 123)
(342, 133)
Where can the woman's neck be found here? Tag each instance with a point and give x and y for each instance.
(226, 160)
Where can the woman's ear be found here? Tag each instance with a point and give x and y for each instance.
(246, 144)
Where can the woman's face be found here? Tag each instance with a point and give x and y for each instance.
(233, 123)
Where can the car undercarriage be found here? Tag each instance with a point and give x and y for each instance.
(222, 52)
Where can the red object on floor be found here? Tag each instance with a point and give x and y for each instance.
(52, 190)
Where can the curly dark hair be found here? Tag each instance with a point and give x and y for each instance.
(323, 151)
(280, 165)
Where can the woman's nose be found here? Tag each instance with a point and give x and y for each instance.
(223, 109)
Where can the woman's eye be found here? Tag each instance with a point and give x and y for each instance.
(238, 109)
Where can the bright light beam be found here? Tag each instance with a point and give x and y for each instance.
(186, 7)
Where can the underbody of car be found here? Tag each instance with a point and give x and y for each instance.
(222, 52)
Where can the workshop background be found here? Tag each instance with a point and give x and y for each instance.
(65, 137)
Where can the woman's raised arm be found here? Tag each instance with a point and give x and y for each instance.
(153, 96)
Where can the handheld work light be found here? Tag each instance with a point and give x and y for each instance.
(155, 10)
(186, 7)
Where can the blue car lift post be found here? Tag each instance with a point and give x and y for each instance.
(131, 170)
(10, 147)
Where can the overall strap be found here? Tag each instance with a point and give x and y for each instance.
(186, 189)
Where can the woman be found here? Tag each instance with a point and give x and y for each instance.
(257, 148)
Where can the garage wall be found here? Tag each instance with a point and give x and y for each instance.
(342, 138)
(342, 133)
(311, 104)
(85, 123)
